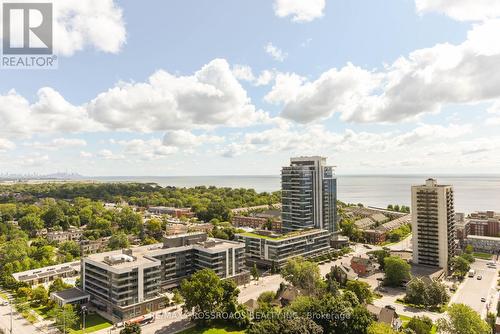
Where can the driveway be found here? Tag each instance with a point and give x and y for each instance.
(472, 290)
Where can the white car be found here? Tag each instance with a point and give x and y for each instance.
(483, 299)
(5, 303)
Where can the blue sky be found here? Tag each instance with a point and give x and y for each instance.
(237, 87)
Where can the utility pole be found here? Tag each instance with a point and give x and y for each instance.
(64, 320)
(84, 311)
(10, 317)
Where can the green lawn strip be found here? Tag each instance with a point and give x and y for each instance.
(483, 256)
(93, 323)
(215, 329)
(440, 309)
(405, 319)
(4, 296)
(42, 311)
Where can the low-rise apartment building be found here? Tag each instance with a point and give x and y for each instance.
(127, 283)
(174, 212)
(61, 236)
(273, 250)
(484, 244)
(48, 274)
(256, 222)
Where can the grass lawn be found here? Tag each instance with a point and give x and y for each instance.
(4, 296)
(216, 329)
(405, 319)
(42, 311)
(484, 256)
(94, 323)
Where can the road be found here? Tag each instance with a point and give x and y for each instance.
(472, 290)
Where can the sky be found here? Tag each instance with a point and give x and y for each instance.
(199, 87)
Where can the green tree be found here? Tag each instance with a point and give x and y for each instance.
(131, 329)
(303, 274)
(204, 291)
(65, 317)
(380, 256)
(118, 240)
(460, 266)
(361, 290)
(53, 215)
(39, 296)
(491, 319)
(420, 325)
(396, 271)
(266, 298)
(416, 292)
(177, 298)
(129, 221)
(437, 293)
(255, 272)
(462, 319)
(31, 223)
(58, 285)
(69, 247)
(24, 292)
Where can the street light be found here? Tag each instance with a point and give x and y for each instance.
(84, 312)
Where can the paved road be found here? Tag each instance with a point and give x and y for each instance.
(472, 290)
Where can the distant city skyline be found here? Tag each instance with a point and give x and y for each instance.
(163, 89)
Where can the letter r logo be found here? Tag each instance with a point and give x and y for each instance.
(27, 28)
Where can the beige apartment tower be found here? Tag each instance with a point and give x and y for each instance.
(433, 224)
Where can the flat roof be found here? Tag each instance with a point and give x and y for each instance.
(289, 235)
(70, 294)
(480, 237)
(145, 254)
(47, 271)
(139, 254)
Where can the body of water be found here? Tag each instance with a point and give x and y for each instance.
(472, 193)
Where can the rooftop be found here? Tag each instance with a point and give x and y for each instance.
(70, 294)
(144, 255)
(280, 236)
(47, 271)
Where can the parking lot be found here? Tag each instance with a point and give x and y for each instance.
(472, 290)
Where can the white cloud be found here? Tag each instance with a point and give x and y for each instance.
(275, 52)
(58, 143)
(85, 154)
(300, 140)
(85, 24)
(32, 160)
(300, 10)
(461, 10)
(265, 77)
(243, 72)
(109, 155)
(182, 138)
(211, 97)
(421, 83)
(147, 149)
(6, 145)
(50, 113)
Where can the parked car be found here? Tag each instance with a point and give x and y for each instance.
(483, 299)
(479, 277)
